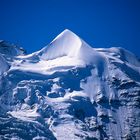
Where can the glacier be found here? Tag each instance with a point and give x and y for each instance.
(69, 90)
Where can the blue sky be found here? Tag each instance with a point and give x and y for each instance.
(32, 24)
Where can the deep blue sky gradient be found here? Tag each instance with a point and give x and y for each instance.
(32, 24)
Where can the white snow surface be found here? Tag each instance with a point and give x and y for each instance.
(70, 91)
(69, 44)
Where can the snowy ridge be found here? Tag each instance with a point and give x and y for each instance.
(68, 44)
(69, 91)
(10, 49)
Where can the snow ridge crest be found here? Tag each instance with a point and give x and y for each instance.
(66, 43)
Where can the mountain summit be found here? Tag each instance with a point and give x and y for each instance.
(69, 91)
(65, 44)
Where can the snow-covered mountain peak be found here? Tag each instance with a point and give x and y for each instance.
(65, 44)
(68, 36)
(69, 88)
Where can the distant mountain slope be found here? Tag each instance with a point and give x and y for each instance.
(69, 91)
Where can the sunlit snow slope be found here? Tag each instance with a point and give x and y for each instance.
(69, 91)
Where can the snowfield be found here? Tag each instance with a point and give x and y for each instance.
(69, 91)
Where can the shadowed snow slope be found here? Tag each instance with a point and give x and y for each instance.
(69, 91)
(3, 65)
(10, 49)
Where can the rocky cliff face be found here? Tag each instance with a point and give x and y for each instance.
(69, 90)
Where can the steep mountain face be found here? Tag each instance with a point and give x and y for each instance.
(10, 50)
(69, 91)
